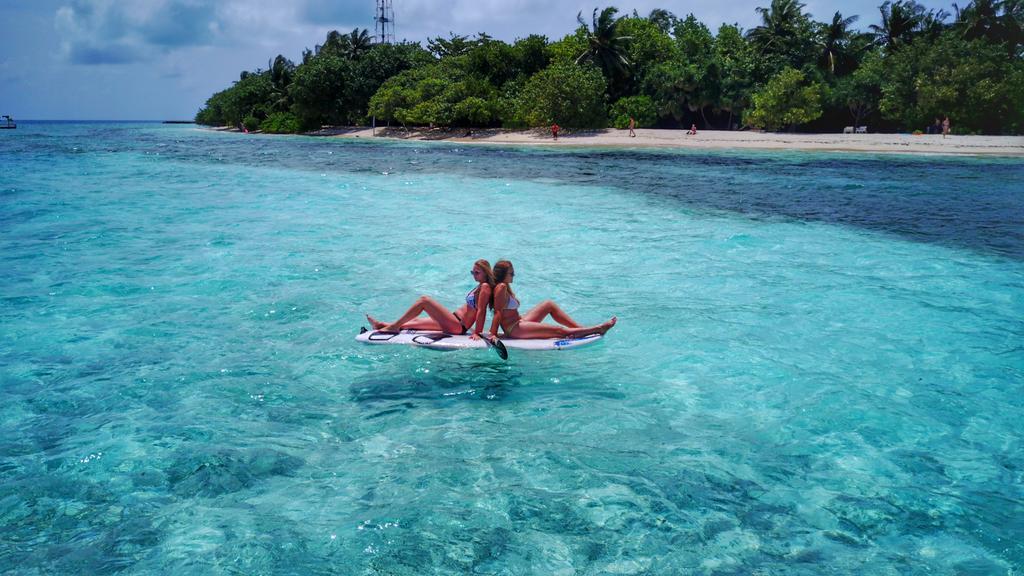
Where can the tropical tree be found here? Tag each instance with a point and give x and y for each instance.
(639, 108)
(606, 46)
(697, 46)
(785, 38)
(971, 81)
(648, 47)
(735, 63)
(281, 71)
(900, 20)
(321, 90)
(531, 55)
(454, 45)
(777, 22)
(441, 94)
(998, 21)
(356, 43)
(375, 66)
(834, 43)
(569, 94)
(785, 101)
(860, 92)
(663, 19)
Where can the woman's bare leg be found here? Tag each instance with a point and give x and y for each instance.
(414, 324)
(446, 321)
(549, 308)
(423, 324)
(528, 330)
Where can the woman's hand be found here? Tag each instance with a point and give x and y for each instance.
(474, 336)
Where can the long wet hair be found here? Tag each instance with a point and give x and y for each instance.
(502, 271)
(488, 279)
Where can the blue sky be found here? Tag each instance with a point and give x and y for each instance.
(161, 59)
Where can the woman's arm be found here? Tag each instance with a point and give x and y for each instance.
(483, 299)
(500, 301)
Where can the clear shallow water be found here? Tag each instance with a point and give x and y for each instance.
(818, 366)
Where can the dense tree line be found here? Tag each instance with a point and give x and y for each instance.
(788, 72)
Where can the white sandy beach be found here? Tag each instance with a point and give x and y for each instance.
(713, 139)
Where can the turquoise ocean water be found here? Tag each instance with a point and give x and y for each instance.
(818, 367)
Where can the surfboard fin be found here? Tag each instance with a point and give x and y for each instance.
(363, 330)
(499, 348)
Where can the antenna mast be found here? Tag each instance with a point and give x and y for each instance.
(384, 22)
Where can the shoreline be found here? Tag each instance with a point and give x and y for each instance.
(930, 144)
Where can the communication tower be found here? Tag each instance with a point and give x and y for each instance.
(384, 22)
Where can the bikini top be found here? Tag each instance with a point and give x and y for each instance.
(471, 298)
(513, 304)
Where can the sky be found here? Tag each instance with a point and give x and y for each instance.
(161, 59)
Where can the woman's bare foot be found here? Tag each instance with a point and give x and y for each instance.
(376, 324)
(599, 329)
(602, 328)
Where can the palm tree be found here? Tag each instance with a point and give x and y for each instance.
(335, 43)
(359, 41)
(281, 70)
(900, 19)
(835, 40)
(778, 22)
(605, 46)
(978, 18)
(454, 45)
(663, 19)
(997, 20)
(1013, 25)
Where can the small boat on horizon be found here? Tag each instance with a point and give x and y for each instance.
(8, 122)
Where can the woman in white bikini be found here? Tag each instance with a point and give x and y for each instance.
(530, 325)
(467, 319)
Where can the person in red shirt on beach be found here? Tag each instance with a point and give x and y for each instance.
(554, 130)
(692, 131)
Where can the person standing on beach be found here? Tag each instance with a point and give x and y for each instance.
(632, 125)
(945, 126)
(554, 131)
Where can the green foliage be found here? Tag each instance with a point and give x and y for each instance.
(785, 39)
(606, 47)
(377, 65)
(901, 21)
(454, 45)
(690, 81)
(860, 92)
(321, 90)
(568, 94)
(281, 123)
(570, 47)
(640, 108)
(787, 100)
(531, 54)
(735, 63)
(248, 97)
(836, 44)
(251, 123)
(649, 45)
(912, 66)
(970, 81)
(694, 40)
(436, 95)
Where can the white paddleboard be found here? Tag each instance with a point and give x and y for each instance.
(442, 341)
